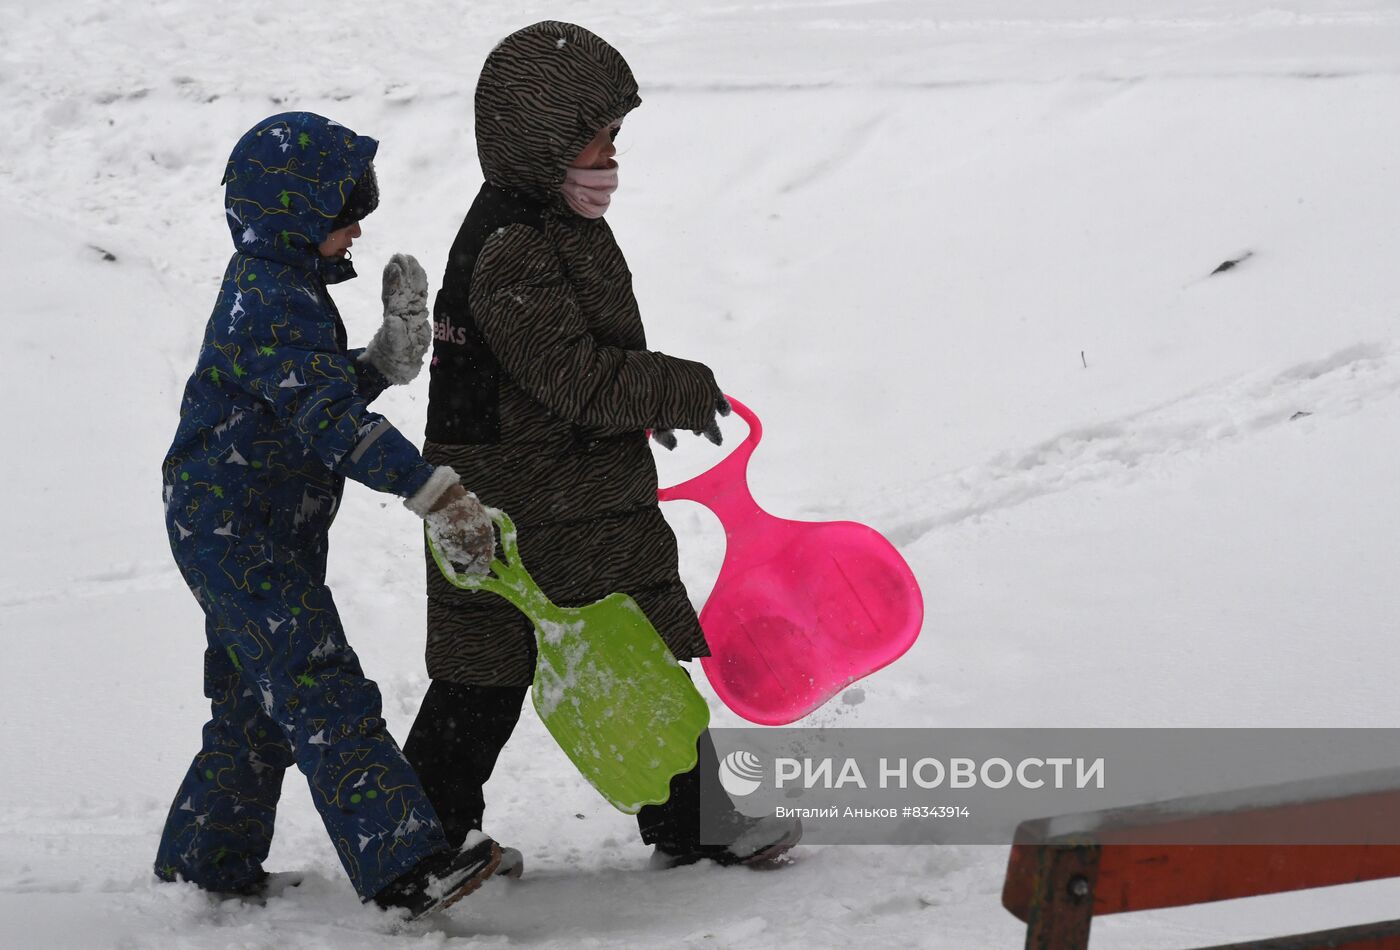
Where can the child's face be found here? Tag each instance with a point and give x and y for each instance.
(338, 242)
(599, 152)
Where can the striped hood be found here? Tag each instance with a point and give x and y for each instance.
(544, 92)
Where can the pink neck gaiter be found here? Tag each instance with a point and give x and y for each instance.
(589, 190)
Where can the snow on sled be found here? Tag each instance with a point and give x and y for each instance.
(606, 686)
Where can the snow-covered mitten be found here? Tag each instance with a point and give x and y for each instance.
(461, 527)
(406, 333)
(464, 534)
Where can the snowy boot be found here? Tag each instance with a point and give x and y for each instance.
(756, 843)
(263, 888)
(443, 879)
(512, 864)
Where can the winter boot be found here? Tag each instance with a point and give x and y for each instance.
(512, 864)
(756, 843)
(263, 888)
(443, 879)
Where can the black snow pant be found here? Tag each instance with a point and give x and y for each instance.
(460, 731)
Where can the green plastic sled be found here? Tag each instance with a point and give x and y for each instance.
(606, 686)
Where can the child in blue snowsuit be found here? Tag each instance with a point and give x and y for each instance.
(275, 417)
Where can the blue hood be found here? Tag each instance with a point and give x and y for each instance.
(286, 180)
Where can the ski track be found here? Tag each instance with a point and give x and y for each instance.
(837, 157)
(1122, 449)
(138, 577)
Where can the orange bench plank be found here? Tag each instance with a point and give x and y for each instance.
(1145, 877)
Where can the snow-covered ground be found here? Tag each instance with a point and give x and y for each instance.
(956, 254)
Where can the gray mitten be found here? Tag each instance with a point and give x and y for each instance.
(406, 333)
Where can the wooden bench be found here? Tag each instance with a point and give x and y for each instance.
(1065, 871)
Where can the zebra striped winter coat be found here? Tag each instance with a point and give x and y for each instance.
(541, 382)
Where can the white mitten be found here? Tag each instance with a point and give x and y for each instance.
(406, 333)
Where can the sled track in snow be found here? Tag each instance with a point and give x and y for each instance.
(1315, 391)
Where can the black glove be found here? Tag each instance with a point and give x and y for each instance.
(711, 431)
(667, 437)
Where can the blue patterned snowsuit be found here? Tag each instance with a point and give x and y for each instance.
(274, 419)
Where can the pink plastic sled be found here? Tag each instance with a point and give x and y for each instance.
(801, 609)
